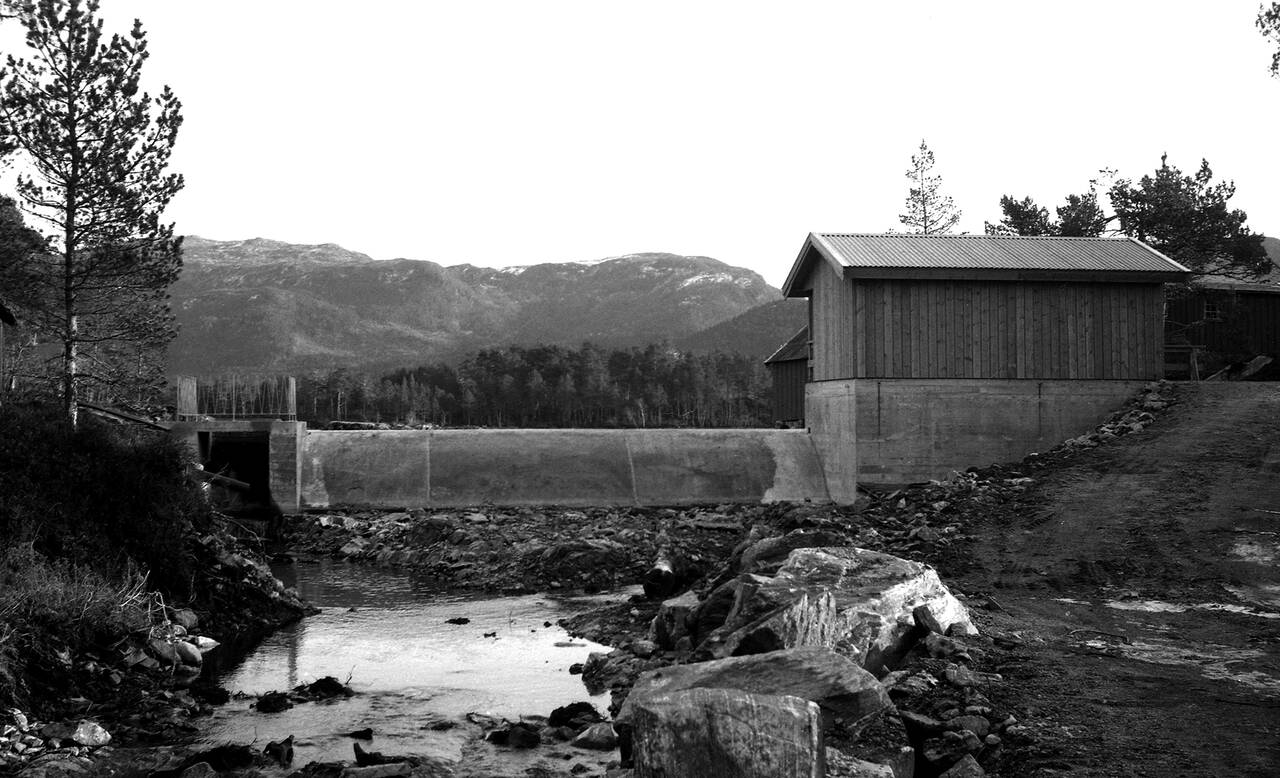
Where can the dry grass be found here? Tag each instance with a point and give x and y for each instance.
(63, 597)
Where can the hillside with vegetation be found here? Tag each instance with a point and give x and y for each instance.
(260, 305)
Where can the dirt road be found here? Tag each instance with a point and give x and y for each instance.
(1142, 576)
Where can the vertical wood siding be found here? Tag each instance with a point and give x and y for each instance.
(835, 341)
(985, 329)
(1249, 324)
(788, 389)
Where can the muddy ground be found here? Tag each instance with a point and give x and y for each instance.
(1123, 568)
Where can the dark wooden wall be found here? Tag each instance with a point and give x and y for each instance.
(1249, 324)
(788, 389)
(985, 329)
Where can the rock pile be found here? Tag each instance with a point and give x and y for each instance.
(528, 549)
(35, 744)
(1134, 417)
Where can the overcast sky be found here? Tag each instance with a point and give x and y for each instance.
(507, 133)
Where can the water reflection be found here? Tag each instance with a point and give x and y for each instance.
(387, 632)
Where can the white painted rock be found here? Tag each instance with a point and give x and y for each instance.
(727, 733)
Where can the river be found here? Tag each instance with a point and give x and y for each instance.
(414, 674)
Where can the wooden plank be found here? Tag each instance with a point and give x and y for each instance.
(1113, 351)
(848, 330)
(901, 343)
(935, 330)
(1144, 317)
(913, 301)
(876, 300)
(1008, 312)
(1157, 331)
(947, 327)
(1133, 328)
(1090, 335)
(1036, 350)
(1019, 330)
(1063, 298)
(972, 306)
(908, 319)
(861, 332)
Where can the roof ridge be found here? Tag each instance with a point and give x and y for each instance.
(917, 235)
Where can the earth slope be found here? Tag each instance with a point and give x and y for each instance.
(1141, 576)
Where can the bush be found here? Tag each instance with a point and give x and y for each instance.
(105, 498)
(67, 599)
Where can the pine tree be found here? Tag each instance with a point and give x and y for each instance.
(1188, 218)
(928, 211)
(1021, 217)
(92, 150)
(1269, 24)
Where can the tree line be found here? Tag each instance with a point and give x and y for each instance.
(551, 386)
(1185, 217)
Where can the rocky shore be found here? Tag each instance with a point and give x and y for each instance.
(89, 711)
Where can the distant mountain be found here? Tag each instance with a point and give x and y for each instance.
(755, 333)
(265, 306)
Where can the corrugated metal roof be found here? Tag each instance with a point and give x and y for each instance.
(795, 348)
(994, 252)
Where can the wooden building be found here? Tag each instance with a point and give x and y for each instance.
(979, 306)
(789, 369)
(961, 350)
(1229, 319)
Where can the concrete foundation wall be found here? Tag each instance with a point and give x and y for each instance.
(911, 430)
(409, 468)
(830, 411)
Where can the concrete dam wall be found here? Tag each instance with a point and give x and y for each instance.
(440, 468)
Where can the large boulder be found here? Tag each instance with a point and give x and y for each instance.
(673, 620)
(727, 733)
(847, 694)
(858, 601)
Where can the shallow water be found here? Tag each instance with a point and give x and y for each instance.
(386, 631)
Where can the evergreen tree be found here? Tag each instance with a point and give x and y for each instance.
(1081, 216)
(1188, 219)
(1021, 217)
(1269, 24)
(92, 150)
(928, 210)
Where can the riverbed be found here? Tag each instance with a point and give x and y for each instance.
(387, 634)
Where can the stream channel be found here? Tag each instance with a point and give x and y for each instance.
(387, 631)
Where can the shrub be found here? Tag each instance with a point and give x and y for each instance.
(107, 498)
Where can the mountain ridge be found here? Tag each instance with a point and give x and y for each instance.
(261, 305)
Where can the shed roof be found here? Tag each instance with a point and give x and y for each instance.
(984, 257)
(1269, 283)
(795, 348)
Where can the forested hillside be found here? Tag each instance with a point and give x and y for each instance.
(551, 386)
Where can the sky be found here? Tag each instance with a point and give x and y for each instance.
(511, 133)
